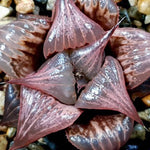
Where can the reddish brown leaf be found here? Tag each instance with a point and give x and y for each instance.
(37, 19)
(54, 78)
(104, 12)
(40, 115)
(20, 44)
(131, 47)
(101, 133)
(12, 106)
(70, 29)
(107, 91)
(88, 60)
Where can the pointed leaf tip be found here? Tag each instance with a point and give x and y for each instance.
(107, 90)
(40, 115)
(55, 74)
(88, 60)
(70, 29)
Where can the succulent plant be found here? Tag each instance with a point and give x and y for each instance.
(77, 75)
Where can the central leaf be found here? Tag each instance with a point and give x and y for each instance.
(70, 29)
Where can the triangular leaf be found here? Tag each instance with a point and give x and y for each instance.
(55, 78)
(40, 115)
(107, 91)
(131, 47)
(12, 106)
(88, 60)
(101, 133)
(104, 12)
(70, 29)
(20, 43)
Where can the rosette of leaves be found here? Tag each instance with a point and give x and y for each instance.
(76, 77)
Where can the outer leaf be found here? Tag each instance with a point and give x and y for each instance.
(40, 115)
(55, 78)
(70, 29)
(12, 106)
(131, 46)
(88, 60)
(38, 20)
(104, 12)
(101, 133)
(20, 43)
(107, 91)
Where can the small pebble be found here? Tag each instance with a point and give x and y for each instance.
(137, 23)
(41, 141)
(11, 132)
(117, 1)
(138, 132)
(132, 147)
(41, 1)
(146, 100)
(144, 6)
(4, 11)
(2, 100)
(147, 19)
(6, 20)
(3, 142)
(145, 115)
(132, 2)
(5, 3)
(24, 6)
(3, 128)
(134, 13)
(126, 22)
(36, 10)
(148, 28)
(50, 4)
(34, 146)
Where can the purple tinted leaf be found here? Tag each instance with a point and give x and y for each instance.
(104, 12)
(12, 106)
(101, 133)
(70, 29)
(20, 43)
(107, 91)
(40, 115)
(88, 60)
(131, 47)
(54, 78)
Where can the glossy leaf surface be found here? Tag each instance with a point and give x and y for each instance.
(55, 78)
(88, 60)
(104, 12)
(40, 115)
(101, 133)
(70, 29)
(12, 106)
(107, 91)
(20, 43)
(131, 47)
